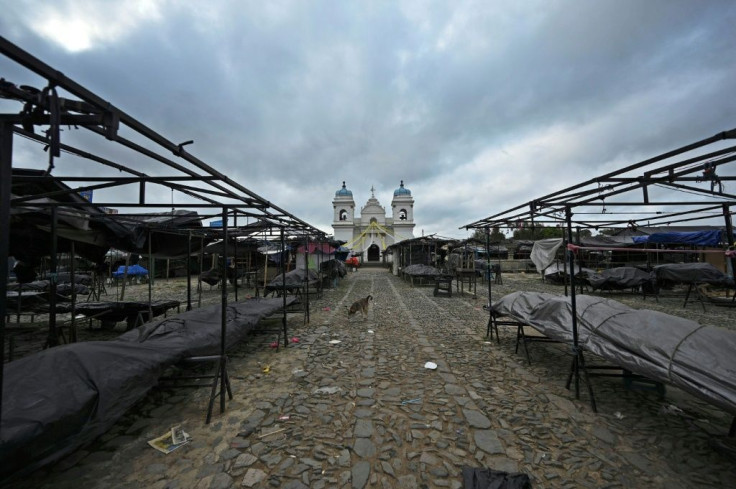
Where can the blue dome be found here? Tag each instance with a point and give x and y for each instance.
(343, 192)
(402, 190)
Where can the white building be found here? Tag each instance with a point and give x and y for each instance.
(371, 232)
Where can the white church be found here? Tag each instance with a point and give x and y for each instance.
(372, 231)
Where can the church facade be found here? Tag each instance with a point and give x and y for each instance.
(370, 232)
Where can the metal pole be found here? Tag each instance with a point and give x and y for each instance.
(488, 266)
(6, 175)
(565, 240)
(235, 256)
(73, 324)
(577, 241)
(223, 327)
(571, 259)
(283, 276)
(201, 264)
(488, 278)
(306, 270)
(189, 272)
(249, 259)
(125, 277)
(729, 239)
(578, 362)
(150, 275)
(53, 338)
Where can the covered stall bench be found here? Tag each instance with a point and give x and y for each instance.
(134, 313)
(62, 398)
(668, 349)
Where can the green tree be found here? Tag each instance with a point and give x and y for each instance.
(525, 231)
(609, 231)
(540, 231)
(496, 235)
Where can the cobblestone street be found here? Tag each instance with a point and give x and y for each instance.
(352, 405)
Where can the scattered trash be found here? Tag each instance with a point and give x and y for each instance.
(370, 331)
(266, 369)
(175, 438)
(327, 390)
(671, 409)
(297, 371)
(618, 415)
(334, 342)
(275, 344)
(296, 340)
(327, 308)
(284, 417)
(265, 432)
(177, 435)
(430, 365)
(412, 401)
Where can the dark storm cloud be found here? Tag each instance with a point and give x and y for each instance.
(477, 106)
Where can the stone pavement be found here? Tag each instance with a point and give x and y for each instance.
(351, 405)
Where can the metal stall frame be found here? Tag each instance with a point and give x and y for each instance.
(197, 184)
(593, 199)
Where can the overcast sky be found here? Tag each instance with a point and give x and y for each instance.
(476, 105)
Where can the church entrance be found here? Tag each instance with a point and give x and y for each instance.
(374, 252)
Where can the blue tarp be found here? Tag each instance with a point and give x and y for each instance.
(695, 238)
(133, 270)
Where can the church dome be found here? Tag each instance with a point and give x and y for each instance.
(344, 192)
(402, 190)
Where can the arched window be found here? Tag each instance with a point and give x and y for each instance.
(402, 215)
(343, 215)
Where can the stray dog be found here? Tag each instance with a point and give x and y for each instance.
(359, 305)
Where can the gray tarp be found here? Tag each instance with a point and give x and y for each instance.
(543, 252)
(698, 359)
(692, 273)
(557, 271)
(602, 241)
(294, 278)
(62, 398)
(620, 278)
(114, 312)
(422, 271)
(334, 268)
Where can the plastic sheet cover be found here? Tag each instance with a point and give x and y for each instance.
(62, 398)
(692, 273)
(698, 359)
(543, 252)
(695, 238)
(620, 278)
(421, 271)
(559, 269)
(119, 311)
(294, 278)
(133, 271)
